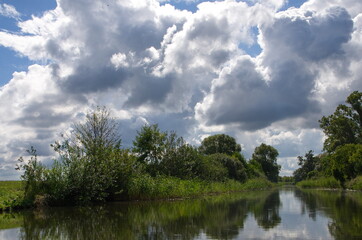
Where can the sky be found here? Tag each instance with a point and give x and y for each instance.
(262, 71)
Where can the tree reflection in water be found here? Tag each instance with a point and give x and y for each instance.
(342, 207)
(279, 214)
(220, 217)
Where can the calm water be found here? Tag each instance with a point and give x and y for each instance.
(286, 213)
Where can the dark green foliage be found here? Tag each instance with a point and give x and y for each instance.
(344, 126)
(254, 169)
(210, 169)
(266, 156)
(219, 143)
(307, 168)
(346, 162)
(342, 157)
(165, 153)
(235, 168)
(149, 144)
(180, 159)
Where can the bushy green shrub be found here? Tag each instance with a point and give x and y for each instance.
(180, 160)
(210, 169)
(235, 168)
(91, 165)
(254, 170)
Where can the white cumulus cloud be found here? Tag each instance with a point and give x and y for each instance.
(190, 72)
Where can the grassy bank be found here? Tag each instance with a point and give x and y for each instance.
(11, 194)
(331, 183)
(327, 182)
(148, 188)
(145, 187)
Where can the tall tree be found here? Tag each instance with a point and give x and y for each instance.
(97, 133)
(307, 166)
(150, 144)
(267, 155)
(344, 126)
(219, 143)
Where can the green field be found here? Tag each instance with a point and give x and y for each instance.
(11, 194)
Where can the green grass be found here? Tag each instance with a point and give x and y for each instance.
(145, 187)
(11, 194)
(326, 182)
(355, 184)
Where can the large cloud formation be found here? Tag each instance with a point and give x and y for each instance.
(193, 72)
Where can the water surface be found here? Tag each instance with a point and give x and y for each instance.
(286, 213)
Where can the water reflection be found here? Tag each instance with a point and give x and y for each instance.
(280, 214)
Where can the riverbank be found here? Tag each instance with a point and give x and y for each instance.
(331, 183)
(12, 193)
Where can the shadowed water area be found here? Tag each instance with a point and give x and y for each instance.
(286, 213)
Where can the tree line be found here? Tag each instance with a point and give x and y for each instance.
(92, 165)
(342, 156)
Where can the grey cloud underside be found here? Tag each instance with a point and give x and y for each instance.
(41, 115)
(148, 90)
(247, 99)
(88, 80)
(315, 39)
(292, 45)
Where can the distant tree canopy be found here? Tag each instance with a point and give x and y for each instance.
(344, 126)
(266, 156)
(219, 143)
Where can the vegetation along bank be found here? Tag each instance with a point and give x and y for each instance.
(92, 166)
(340, 165)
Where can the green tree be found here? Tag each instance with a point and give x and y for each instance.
(266, 156)
(219, 143)
(91, 165)
(180, 159)
(97, 133)
(344, 126)
(307, 165)
(149, 144)
(346, 162)
(235, 168)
